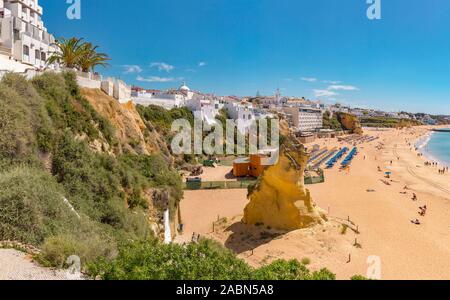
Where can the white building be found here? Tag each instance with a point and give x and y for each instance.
(168, 99)
(23, 36)
(305, 119)
(274, 101)
(245, 114)
(204, 107)
(242, 113)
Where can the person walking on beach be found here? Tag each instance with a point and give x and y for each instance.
(414, 198)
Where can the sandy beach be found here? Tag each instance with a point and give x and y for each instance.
(380, 208)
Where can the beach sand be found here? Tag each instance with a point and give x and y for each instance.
(383, 216)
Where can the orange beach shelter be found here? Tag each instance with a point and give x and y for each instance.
(250, 166)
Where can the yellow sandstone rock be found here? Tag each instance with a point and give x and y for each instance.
(350, 122)
(280, 199)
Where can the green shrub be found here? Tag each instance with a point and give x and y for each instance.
(32, 206)
(152, 260)
(207, 260)
(90, 243)
(359, 277)
(68, 108)
(162, 118)
(283, 270)
(306, 261)
(24, 123)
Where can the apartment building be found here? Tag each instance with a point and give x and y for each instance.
(23, 36)
(305, 119)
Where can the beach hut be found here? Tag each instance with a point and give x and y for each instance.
(241, 167)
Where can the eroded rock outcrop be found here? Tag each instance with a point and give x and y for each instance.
(130, 130)
(280, 200)
(350, 122)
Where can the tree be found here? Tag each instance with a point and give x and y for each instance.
(90, 58)
(74, 53)
(68, 52)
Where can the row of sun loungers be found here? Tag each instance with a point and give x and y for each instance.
(338, 156)
(357, 139)
(315, 155)
(348, 160)
(323, 159)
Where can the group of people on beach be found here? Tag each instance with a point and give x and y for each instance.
(443, 170)
(435, 164)
(422, 211)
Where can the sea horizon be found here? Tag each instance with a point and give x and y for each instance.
(436, 147)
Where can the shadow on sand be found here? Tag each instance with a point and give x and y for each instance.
(245, 238)
(230, 176)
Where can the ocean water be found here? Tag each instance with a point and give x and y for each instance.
(438, 147)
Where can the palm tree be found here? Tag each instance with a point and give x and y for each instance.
(69, 52)
(90, 58)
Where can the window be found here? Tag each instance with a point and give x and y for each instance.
(26, 50)
(43, 56)
(37, 54)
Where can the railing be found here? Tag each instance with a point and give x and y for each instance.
(229, 185)
(89, 75)
(218, 185)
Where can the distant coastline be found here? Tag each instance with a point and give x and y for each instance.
(432, 146)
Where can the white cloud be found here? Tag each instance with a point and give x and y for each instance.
(342, 88)
(162, 66)
(309, 79)
(132, 69)
(287, 79)
(202, 64)
(158, 79)
(331, 82)
(324, 93)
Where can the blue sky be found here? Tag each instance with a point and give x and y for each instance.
(320, 49)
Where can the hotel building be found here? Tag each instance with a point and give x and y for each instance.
(305, 119)
(23, 36)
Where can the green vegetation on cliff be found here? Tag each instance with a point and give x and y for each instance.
(46, 128)
(387, 122)
(331, 121)
(206, 260)
(66, 196)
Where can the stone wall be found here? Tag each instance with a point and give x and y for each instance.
(88, 83)
(122, 92)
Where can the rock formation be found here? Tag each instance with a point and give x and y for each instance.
(130, 130)
(350, 122)
(280, 200)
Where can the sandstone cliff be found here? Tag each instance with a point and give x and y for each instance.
(350, 122)
(130, 131)
(280, 199)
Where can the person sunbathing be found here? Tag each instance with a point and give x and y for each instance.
(416, 222)
(423, 211)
